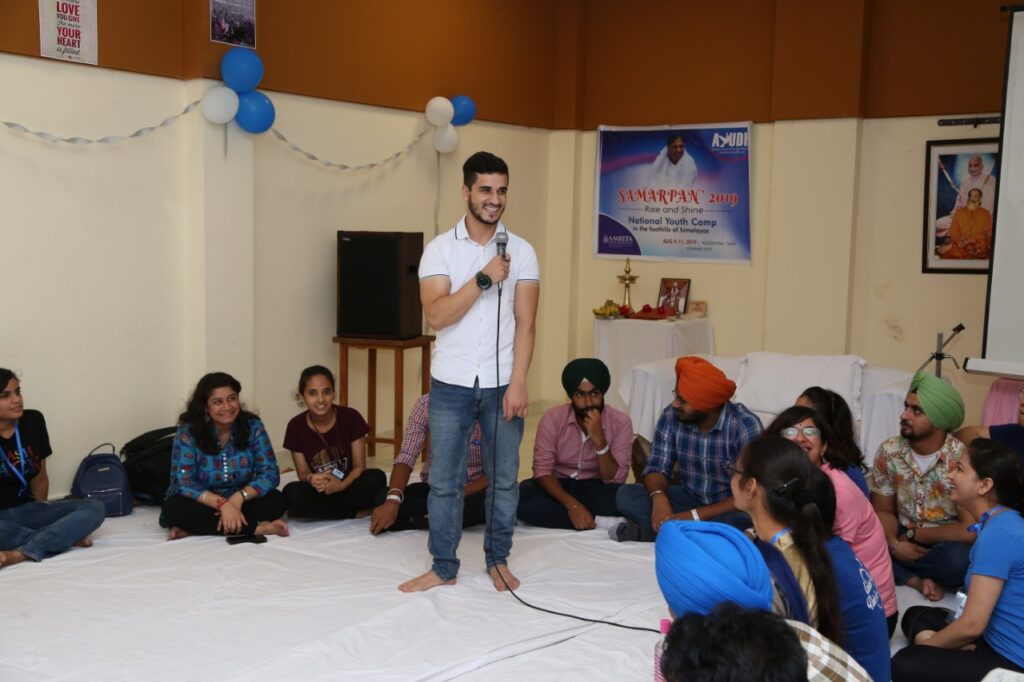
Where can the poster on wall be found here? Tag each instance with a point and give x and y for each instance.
(233, 22)
(674, 193)
(67, 30)
(959, 205)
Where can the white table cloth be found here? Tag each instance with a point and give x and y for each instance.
(623, 344)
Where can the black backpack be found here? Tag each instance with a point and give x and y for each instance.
(102, 477)
(147, 459)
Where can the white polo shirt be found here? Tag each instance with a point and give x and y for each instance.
(465, 350)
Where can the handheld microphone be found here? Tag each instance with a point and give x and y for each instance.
(501, 240)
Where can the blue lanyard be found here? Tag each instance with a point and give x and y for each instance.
(21, 462)
(775, 538)
(976, 527)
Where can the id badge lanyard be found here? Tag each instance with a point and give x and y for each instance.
(21, 463)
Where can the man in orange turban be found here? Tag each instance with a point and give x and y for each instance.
(702, 433)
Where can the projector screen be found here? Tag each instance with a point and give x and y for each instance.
(1003, 348)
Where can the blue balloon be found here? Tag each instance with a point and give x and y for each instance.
(241, 69)
(255, 112)
(465, 110)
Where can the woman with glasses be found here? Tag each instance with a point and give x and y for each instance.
(855, 519)
(817, 577)
(988, 631)
(844, 454)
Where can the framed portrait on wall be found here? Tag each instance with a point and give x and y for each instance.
(674, 294)
(959, 205)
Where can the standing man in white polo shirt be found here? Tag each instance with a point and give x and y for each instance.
(484, 308)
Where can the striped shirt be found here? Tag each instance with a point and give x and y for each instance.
(703, 458)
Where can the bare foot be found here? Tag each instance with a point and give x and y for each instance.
(931, 590)
(500, 571)
(11, 557)
(84, 542)
(279, 527)
(176, 533)
(424, 582)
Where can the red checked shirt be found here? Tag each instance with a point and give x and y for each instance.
(564, 450)
(415, 436)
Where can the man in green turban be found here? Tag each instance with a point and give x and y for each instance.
(910, 482)
(581, 456)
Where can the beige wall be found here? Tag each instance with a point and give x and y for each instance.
(897, 310)
(299, 207)
(139, 266)
(94, 254)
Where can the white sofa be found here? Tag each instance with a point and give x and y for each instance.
(770, 382)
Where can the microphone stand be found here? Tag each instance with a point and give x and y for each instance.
(938, 356)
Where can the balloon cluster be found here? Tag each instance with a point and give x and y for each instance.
(238, 98)
(445, 114)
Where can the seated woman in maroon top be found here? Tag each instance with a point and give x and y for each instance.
(328, 446)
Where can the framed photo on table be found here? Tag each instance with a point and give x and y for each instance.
(673, 294)
(959, 205)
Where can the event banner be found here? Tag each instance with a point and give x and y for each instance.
(67, 30)
(677, 192)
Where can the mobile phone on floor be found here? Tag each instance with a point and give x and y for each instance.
(238, 539)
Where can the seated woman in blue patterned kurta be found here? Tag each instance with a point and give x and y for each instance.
(224, 474)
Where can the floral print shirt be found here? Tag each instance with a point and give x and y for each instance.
(922, 499)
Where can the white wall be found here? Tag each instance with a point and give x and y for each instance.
(138, 267)
(93, 254)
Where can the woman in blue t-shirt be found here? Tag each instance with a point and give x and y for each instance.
(989, 633)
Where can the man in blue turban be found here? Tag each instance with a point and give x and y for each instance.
(911, 486)
(718, 586)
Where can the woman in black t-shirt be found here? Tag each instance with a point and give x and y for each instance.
(328, 446)
(31, 527)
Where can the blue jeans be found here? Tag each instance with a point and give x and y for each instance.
(453, 409)
(946, 563)
(635, 504)
(537, 508)
(43, 529)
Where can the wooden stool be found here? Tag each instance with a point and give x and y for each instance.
(399, 346)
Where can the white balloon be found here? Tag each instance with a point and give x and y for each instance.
(440, 111)
(446, 139)
(220, 104)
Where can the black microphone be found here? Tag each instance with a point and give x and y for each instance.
(501, 240)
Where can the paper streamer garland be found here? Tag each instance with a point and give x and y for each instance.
(344, 166)
(110, 139)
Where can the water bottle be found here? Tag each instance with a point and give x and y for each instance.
(666, 625)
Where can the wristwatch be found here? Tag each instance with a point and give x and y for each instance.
(911, 534)
(483, 281)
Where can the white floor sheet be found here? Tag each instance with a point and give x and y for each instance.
(323, 604)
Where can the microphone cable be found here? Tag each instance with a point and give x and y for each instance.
(494, 487)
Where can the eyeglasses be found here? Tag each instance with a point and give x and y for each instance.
(792, 432)
(732, 469)
(593, 393)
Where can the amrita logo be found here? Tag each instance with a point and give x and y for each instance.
(732, 144)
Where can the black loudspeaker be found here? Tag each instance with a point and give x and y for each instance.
(378, 284)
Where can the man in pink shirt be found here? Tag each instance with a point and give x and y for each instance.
(581, 455)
